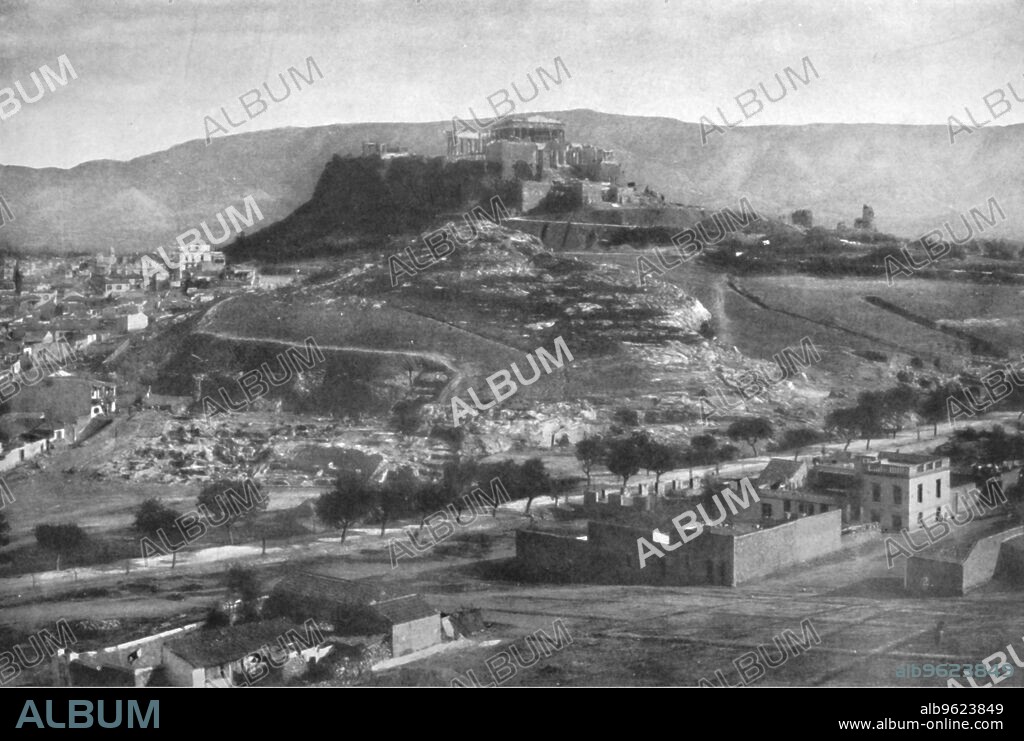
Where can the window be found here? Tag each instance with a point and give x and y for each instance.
(920, 518)
(822, 508)
(875, 517)
(897, 495)
(787, 506)
(897, 522)
(766, 510)
(876, 492)
(938, 488)
(938, 514)
(920, 493)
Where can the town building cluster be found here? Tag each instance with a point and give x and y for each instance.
(65, 319)
(309, 625)
(794, 511)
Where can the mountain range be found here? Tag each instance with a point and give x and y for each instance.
(912, 176)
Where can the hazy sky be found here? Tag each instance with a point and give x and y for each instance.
(150, 70)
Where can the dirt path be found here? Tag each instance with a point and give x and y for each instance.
(458, 375)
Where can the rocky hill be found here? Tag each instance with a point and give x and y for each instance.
(911, 175)
(408, 349)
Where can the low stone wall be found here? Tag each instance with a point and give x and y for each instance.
(929, 575)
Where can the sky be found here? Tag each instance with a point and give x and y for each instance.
(149, 71)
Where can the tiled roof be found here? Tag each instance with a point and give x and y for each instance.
(218, 646)
(778, 471)
(404, 609)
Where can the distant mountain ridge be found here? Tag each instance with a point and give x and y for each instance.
(911, 175)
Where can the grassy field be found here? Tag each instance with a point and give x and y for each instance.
(989, 312)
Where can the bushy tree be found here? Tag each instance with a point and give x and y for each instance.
(844, 422)
(457, 479)
(703, 447)
(799, 438)
(658, 458)
(152, 517)
(349, 500)
(217, 502)
(750, 430)
(871, 414)
(622, 458)
(62, 540)
(533, 480)
(431, 498)
(396, 493)
(728, 453)
(932, 405)
(589, 452)
(895, 408)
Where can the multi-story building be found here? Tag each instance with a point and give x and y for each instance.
(201, 257)
(904, 490)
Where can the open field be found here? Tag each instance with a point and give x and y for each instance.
(637, 636)
(834, 313)
(656, 636)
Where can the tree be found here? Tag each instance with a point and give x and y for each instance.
(429, 499)
(456, 478)
(399, 488)
(217, 502)
(799, 438)
(750, 429)
(61, 539)
(658, 458)
(871, 412)
(895, 408)
(349, 500)
(508, 472)
(931, 406)
(726, 453)
(533, 479)
(244, 583)
(152, 518)
(5, 530)
(845, 422)
(622, 458)
(589, 452)
(704, 448)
